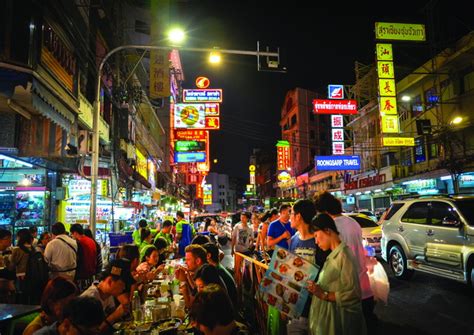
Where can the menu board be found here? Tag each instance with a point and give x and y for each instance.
(285, 283)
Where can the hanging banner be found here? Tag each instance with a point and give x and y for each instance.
(159, 74)
(400, 31)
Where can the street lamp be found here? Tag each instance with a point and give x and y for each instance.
(176, 36)
(96, 116)
(457, 120)
(215, 57)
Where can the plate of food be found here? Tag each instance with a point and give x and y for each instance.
(281, 254)
(298, 262)
(299, 275)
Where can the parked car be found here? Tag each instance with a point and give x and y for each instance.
(371, 231)
(430, 234)
(369, 214)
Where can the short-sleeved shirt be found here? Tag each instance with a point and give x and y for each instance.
(167, 237)
(243, 238)
(108, 304)
(277, 228)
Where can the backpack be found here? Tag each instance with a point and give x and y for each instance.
(37, 273)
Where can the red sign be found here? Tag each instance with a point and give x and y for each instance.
(202, 82)
(365, 182)
(283, 158)
(327, 106)
(191, 135)
(212, 122)
(211, 109)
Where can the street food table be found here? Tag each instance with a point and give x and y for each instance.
(10, 314)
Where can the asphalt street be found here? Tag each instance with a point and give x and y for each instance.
(426, 304)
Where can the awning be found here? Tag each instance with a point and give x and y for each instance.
(49, 106)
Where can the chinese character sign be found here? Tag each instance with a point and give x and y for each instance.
(159, 74)
(337, 121)
(384, 51)
(283, 156)
(388, 105)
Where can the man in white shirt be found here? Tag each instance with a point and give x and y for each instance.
(61, 253)
(350, 233)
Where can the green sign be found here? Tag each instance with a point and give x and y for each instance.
(185, 146)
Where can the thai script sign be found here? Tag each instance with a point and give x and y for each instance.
(400, 31)
(327, 106)
(202, 95)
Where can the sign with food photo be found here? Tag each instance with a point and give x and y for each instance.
(285, 282)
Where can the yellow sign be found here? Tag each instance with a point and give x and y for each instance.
(388, 105)
(398, 141)
(384, 51)
(104, 187)
(400, 31)
(390, 124)
(387, 87)
(385, 69)
(142, 164)
(159, 74)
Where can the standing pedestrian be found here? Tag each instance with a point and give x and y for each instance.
(280, 231)
(61, 253)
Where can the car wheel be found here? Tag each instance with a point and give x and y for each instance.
(398, 263)
(470, 276)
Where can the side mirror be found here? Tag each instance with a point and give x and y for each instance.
(451, 222)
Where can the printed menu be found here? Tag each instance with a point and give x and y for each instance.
(285, 283)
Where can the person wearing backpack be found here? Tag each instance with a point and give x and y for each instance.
(30, 268)
(61, 253)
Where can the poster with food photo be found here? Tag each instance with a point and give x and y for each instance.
(285, 282)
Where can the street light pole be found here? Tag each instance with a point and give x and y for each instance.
(96, 116)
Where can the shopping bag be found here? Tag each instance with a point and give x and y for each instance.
(379, 283)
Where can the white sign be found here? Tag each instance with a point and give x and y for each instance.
(337, 121)
(337, 134)
(338, 148)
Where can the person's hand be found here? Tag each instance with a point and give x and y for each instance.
(181, 274)
(286, 235)
(124, 298)
(314, 288)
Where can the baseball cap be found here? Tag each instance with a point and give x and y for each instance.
(120, 269)
(323, 221)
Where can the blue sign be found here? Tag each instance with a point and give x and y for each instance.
(337, 163)
(189, 157)
(204, 95)
(335, 91)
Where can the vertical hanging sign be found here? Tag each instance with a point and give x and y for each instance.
(283, 155)
(159, 74)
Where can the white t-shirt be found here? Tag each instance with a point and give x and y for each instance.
(351, 234)
(243, 237)
(60, 254)
(108, 304)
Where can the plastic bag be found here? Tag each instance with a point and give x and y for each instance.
(379, 283)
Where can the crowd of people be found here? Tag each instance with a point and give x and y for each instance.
(77, 282)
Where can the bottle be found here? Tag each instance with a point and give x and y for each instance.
(136, 307)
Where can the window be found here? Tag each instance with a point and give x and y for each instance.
(431, 97)
(393, 209)
(293, 120)
(441, 211)
(417, 213)
(142, 27)
(416, 106)
(419, 150)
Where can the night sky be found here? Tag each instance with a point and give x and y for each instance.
(319, 44)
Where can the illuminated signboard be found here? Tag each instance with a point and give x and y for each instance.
(387, 87)
(142, 164)
(189, 116)
(327, 106)
(200, 95)
(202, 82)
(398, 141)
(211, 109)
(185, 146)
(207, 194)
(191, 135)
(283, 155)
(400, 31)
(385, 69)
(338, 148)
(212, 122)
(388, 105)
(337, 134)
(335, 91)
(337, 163)
(337, 121)
(189, 157)
(384, 51)
(390, 124)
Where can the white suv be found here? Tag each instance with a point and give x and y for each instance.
(433, 235)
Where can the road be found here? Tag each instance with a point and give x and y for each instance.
(426, 305)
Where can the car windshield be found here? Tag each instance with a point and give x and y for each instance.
(466, 206)
(363, 222)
